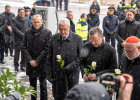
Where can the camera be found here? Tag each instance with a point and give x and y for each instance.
(110, 82)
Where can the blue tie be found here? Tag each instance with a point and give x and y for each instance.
(63, 38)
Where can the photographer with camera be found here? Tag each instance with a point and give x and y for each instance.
(96, 91)
(130, 63)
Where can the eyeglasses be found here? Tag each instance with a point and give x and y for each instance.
(129, 51)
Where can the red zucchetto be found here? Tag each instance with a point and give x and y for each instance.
(132, 39)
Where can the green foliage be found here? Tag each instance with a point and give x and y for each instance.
(9, 84)
(61, 61)
(89, 70)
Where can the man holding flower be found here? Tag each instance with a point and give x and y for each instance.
(62, 64)
(97, 56)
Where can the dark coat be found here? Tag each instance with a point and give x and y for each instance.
(19, 27)
(8, 34)
(127, 28)
(137, 17)
(35, 46)
(116, 13)
(97, 6)
(93, 20)
(8, 17)
(33, 11)
(110, 24)
(72, 26)
(69, 50)
(122, 16)
(104, 56)
(132, 67)
(2, 28)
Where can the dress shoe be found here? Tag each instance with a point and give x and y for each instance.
(2, 62)
(16, 69)
(11, 55)
(22, 69)
(6, 55)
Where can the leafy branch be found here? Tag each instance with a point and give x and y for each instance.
(60, 60)
(9, 84)
(90, 69)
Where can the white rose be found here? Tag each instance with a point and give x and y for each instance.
(117, 71)
(93, 64)
(58, 57)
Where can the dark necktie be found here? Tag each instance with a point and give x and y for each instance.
(64, 38)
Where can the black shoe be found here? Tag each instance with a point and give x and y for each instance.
(2, 62)
(6, 55)
(60, 9)
(11, 55)
(16, 69)
(22, 69)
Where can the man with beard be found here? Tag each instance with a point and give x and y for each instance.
(125, 29)
(64, 74)
(8, 31)
(35, 46)
(20, 24)
(130, 63)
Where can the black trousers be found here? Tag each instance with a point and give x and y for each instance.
(9, 45)
(8, 42)
(120, 52)
(112, 38)
(43, 87)
(59, 2)
(1, 53)
(63, 82)
(18, 50)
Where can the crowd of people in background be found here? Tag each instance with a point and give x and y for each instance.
(59, 58)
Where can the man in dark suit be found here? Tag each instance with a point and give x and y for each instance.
(64, 45)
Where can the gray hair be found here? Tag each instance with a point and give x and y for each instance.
(95, 30)
(64, 21)
(37, 15)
